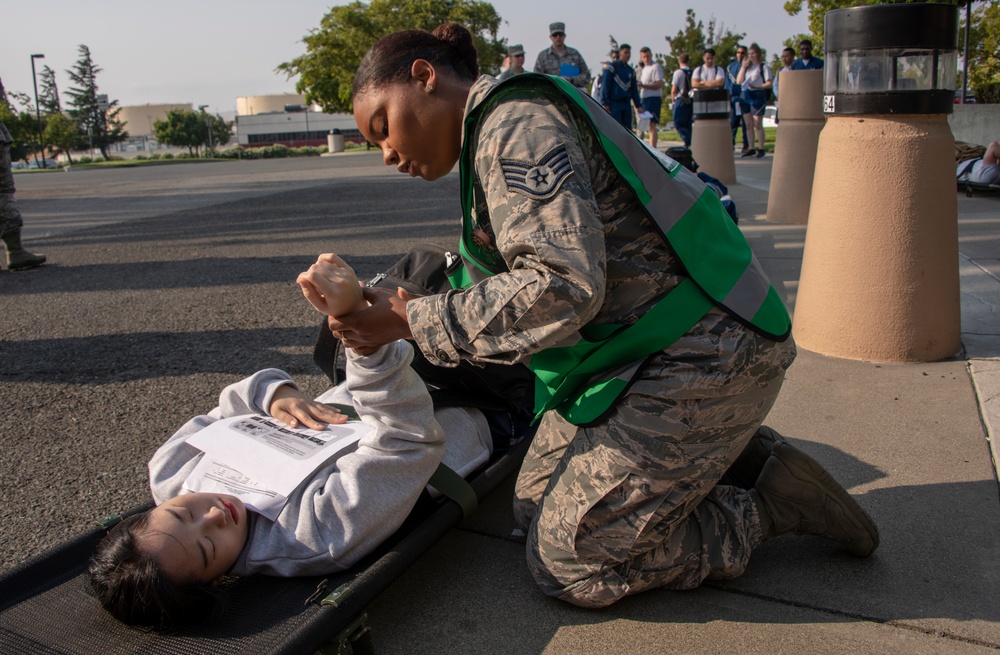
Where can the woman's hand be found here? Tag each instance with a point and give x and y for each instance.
(383, 322)
(292, 408)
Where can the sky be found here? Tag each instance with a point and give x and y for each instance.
(210, 52)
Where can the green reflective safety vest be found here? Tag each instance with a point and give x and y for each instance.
(584, 380)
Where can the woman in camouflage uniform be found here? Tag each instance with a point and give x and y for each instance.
(561, 239)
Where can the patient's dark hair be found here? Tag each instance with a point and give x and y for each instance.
(390, 59)
(131, 586)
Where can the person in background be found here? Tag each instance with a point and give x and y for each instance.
(516, 55)
(680, 97)
(651, 91)
(708, 75)
(989, 172)
(10, 217)
(787, 57)
(755, 78)
(562, 61)
(738, 107)
(595, 89)
(806, 62)
(619, 88)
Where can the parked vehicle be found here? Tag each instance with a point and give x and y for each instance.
(770, 113)
(43, 163)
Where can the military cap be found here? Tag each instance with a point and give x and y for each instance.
(514, 50)
(557, 28)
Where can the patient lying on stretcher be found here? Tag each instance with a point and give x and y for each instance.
(162, 568)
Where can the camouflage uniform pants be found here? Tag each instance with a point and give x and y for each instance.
(10, 217)
(632, 504)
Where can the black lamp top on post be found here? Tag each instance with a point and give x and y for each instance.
(711, 103)
(891, 59)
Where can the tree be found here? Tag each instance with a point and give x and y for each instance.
(183, 128)
(984, 49)
(984, 34)
(819, 8)
(334, 51)
(48, 97)
(99, 122)
(217, 132)
(695, 38)
(22, 125)
(61, 134)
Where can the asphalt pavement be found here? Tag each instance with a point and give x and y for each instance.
(168, 283)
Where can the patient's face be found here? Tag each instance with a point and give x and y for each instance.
(196, 537)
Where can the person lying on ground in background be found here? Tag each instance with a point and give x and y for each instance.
(989, 171)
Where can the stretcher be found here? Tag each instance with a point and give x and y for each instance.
(45, 605)
(972, 188)
(964, 171)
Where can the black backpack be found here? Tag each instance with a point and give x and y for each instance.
(685, 93)
(683, 156)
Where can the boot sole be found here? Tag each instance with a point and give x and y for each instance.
(26, 265)
(805, 468)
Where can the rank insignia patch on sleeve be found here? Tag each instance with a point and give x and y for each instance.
(538, 181)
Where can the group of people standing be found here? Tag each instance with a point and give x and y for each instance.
(750, 83)
(620, 88)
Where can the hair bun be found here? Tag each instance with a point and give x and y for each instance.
(460, 38)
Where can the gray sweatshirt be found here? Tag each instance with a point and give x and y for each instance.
(354, 502)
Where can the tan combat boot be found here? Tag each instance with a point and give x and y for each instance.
(795, 494)
(17, 257)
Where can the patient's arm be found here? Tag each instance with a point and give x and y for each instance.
(331, 286)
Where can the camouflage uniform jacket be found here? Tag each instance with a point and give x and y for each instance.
(10, 217)
(579, 250)
(549, 62)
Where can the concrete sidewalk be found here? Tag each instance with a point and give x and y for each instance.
(915, 443)
(182, 284)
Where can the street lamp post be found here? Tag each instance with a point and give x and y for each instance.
(208, 128)
(38, 110)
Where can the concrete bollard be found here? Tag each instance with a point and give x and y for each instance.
(801, 119)
(880, 269)
(711, 138)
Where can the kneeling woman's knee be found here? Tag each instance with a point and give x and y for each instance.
(562, 575)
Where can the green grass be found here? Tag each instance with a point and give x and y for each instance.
(769, 135)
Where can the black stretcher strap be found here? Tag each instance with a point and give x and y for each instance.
(453, 486)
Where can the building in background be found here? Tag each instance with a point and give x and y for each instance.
(139, 119)
(286, 119)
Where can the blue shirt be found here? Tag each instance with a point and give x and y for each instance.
(618, 84)
(814, 64)
(732, 74)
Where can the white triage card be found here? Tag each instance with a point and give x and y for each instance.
(262, 461)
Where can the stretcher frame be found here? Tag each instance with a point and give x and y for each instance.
(46, 607)
(978, 187)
